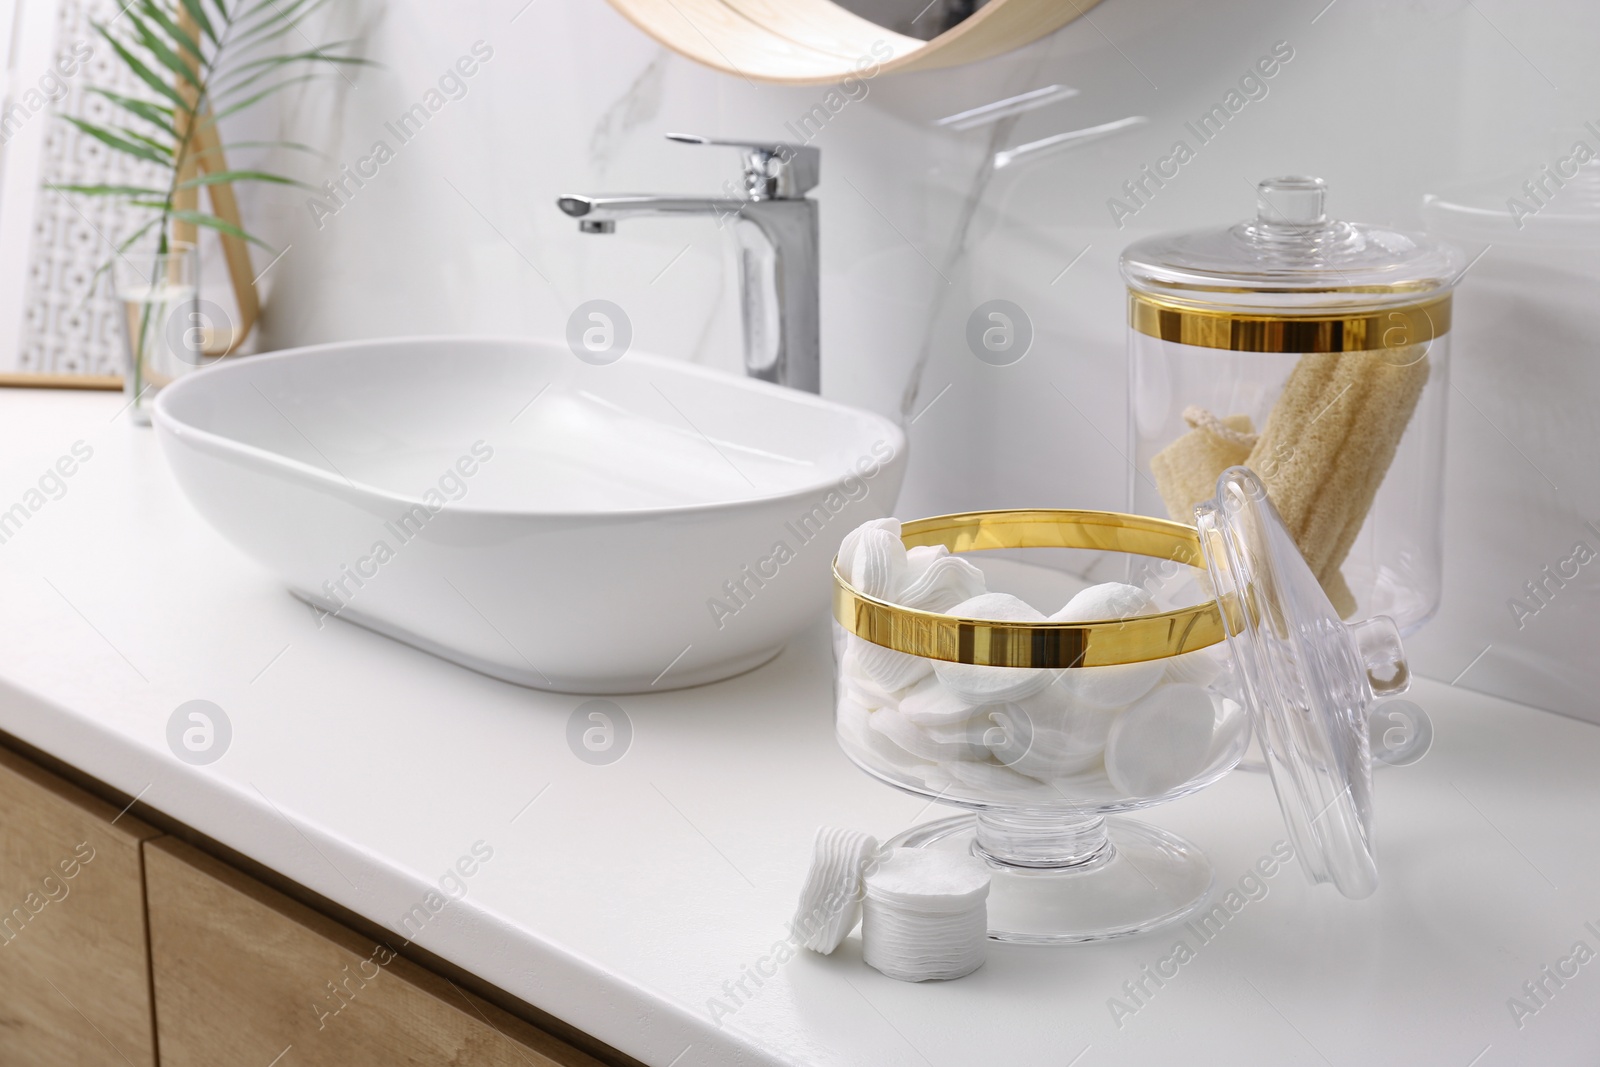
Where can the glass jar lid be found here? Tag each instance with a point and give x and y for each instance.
(1292, 258)
(1308, 679)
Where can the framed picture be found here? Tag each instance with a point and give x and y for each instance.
(58, 325)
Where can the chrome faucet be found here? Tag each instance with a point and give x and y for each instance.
(776, 229)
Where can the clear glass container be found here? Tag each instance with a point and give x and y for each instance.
(1316, 353)
(157, 294)
(1050, 730)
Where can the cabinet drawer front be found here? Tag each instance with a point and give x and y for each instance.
(74, 970)
(243, 975)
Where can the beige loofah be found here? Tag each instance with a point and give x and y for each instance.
(1186, 470)
(1328, 444)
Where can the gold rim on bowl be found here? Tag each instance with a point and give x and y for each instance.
(1051, 645)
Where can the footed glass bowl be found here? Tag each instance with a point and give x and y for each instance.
(1049, 728)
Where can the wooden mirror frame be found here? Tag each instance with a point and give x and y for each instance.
(817, 42)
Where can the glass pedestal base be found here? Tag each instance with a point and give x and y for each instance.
(1059, 881)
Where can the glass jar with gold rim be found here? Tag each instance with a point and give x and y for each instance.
(1051, 723)
(1316, 353)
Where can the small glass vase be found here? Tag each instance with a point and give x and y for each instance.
(156, 293)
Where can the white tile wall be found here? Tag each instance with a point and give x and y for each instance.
(1386, 99)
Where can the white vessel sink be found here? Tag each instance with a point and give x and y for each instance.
(589, 529)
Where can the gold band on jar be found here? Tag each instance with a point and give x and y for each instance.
(1358, 331)
(1052, 645)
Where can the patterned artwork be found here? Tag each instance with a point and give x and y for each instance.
(68, 329)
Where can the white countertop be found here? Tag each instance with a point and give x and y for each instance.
(625, 896)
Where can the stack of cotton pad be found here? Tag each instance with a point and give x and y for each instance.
(924, 915)
(830, 903)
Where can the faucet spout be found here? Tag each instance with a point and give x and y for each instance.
(611, 208)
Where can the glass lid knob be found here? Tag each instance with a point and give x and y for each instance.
(1377, 642)
(1295, 200)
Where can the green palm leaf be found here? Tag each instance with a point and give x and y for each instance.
(284, 16)
(258, 97)
(198, 13)
(174, 32)
(241, 176)
(121, 247)
(201, 218)
(108, 190)
(129, 241)
(319, 54)
(158, 49)
(121, 144)
(293, 146)
(148, 142)
(202, 61)
(154, 114)
(139, 70)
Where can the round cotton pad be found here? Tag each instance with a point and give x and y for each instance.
(878, 564)
(1113, 686)
(929, 703)
(891, 670)
(928, 879)
(988, 685)
(830, 902)
(943, 583)
(1162, 741)
(1195, 668)
(847, 548)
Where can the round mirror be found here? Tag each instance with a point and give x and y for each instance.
(809, 42)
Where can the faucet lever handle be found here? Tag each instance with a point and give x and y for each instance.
(773, 170)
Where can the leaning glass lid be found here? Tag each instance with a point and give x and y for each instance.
(1308, 679)
(1292, 256)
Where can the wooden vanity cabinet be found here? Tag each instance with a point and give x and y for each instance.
(74, 970)
(244, 975)
(121, 947)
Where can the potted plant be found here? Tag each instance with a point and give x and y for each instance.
(197, 62)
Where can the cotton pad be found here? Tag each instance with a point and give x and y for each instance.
(1079, 724)
(1114, 686)
(924, 914)
(920, 558)
(1117, 685)
(1108, 600)
(850, 720)
(1049, 735)
(988, 685)
(891, 670)
(923, 949)
(830, 901)
(929, 879)
(878, 564)
(991, 779)
(1194, 668)
(873, 749)
(847, 549)
(1162, 741)
(943, 583)
(929, 703)
(853, 727)
(867, 693)
(953, 744)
